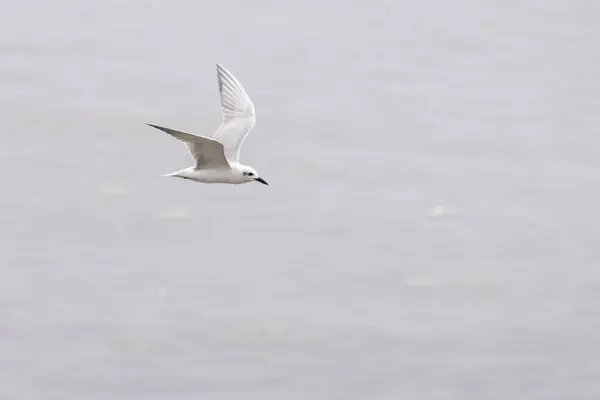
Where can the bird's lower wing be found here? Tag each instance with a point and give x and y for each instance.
(207, 153)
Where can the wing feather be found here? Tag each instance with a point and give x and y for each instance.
(237, 112)
(207, 153)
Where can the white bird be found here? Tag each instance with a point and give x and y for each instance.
(217, 158)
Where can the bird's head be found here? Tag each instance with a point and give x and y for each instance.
(250, 175)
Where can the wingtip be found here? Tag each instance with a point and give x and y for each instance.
(221, 70)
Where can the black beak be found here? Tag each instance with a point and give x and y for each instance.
(261, 180)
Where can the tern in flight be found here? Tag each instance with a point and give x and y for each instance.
(217, 158)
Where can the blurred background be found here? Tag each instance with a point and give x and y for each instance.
(429, 231)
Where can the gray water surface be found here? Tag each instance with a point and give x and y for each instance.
(430, 231)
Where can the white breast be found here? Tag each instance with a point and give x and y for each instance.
(214, 176)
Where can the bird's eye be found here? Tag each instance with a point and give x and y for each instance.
(250, 174)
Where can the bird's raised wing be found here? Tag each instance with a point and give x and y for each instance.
(207, 153)
(237, 113)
